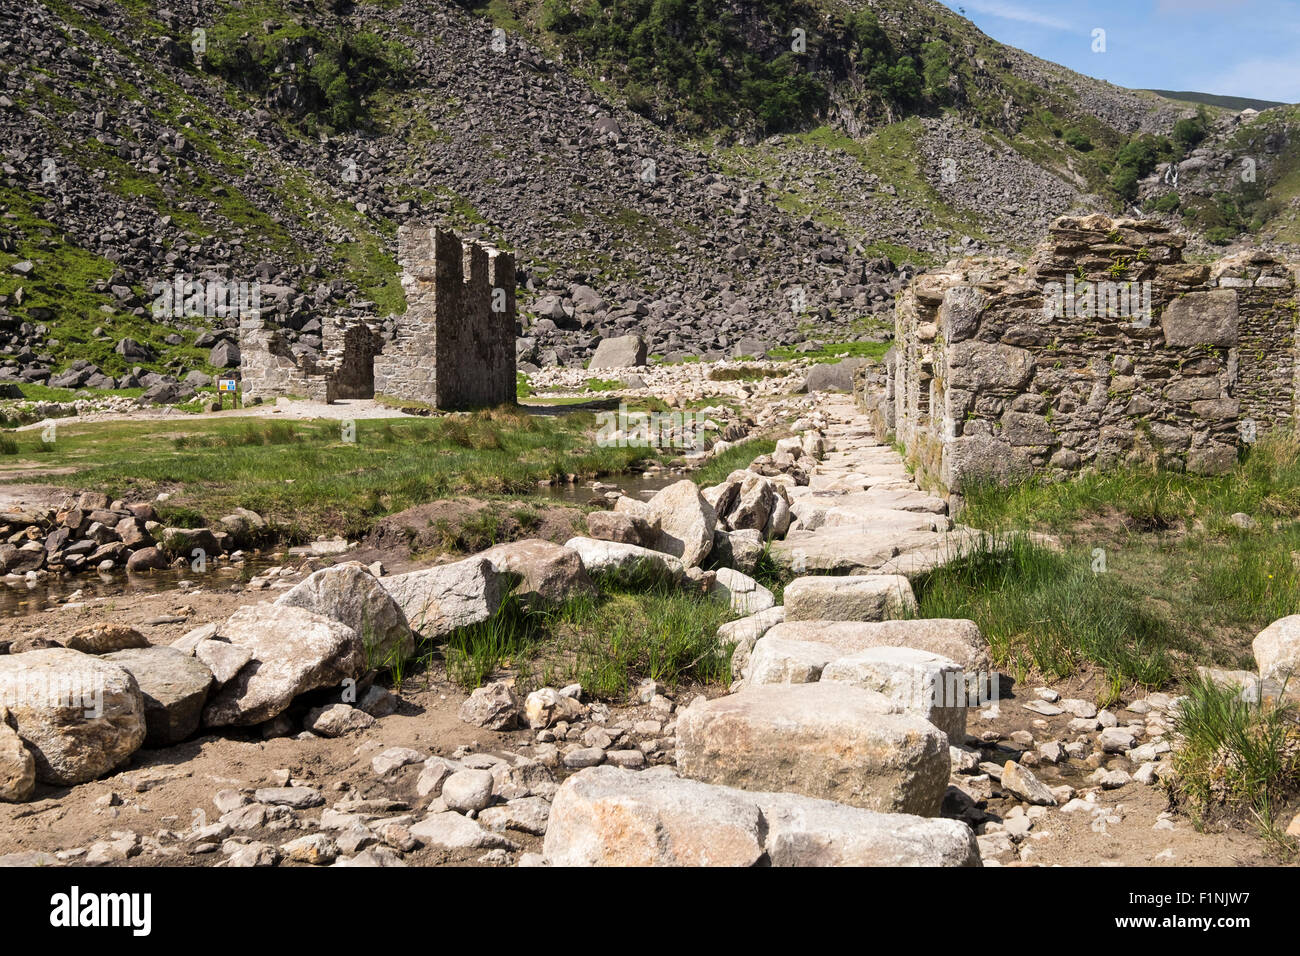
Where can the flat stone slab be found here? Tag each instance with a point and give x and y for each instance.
(929, 685)
(605, 816)
(855, 597)
(828, 740)
(844, 549)
(954, 638)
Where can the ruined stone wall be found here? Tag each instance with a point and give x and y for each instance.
(1105, 347)
(269, 369)
(455, 345)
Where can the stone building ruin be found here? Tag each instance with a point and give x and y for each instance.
(1104, 347)
(453, 348)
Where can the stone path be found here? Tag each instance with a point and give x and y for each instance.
(841, 714)
(862, 511)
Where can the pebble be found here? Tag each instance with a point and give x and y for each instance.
(1079, 708)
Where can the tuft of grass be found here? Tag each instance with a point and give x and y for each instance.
(1171, 538)
(1237, 756)
(738, 457)
(631, 629)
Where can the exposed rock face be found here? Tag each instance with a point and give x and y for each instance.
(79, 716)
(17, 768)
(175, 687)
(605, 816)
(442, 599)
(826, 740)
(549, 573)
(293, 651)
(354, 597)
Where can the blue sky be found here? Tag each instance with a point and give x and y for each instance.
(1233, 47)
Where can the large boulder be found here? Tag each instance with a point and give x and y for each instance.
(806, 832)
(611, 557)
(606, 816)
(548, 573)
(833, 376)
(745, 632)
(741, 550)
(350, 594)
(686, 522)
(826, 739)
(775, 660)
(445, 598)
(175, 687)
(79, 716)
(293, 651)
(1277, 649)
(859, 597)
(625, 351)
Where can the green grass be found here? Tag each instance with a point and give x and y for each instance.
(835, 351)
(737, 457)
(1049, 614)
(306, 478)
(1194, 588)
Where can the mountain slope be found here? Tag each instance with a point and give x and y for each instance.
(291, 147)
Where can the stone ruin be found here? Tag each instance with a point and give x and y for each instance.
(1105, 347)
(453, 348)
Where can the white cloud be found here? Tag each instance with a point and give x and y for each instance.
(1266, 79)
(1011, 11)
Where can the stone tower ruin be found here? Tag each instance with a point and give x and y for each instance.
(453, 348)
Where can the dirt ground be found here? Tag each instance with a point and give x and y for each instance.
(166, 792)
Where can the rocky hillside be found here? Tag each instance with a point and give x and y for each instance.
(692, 177)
